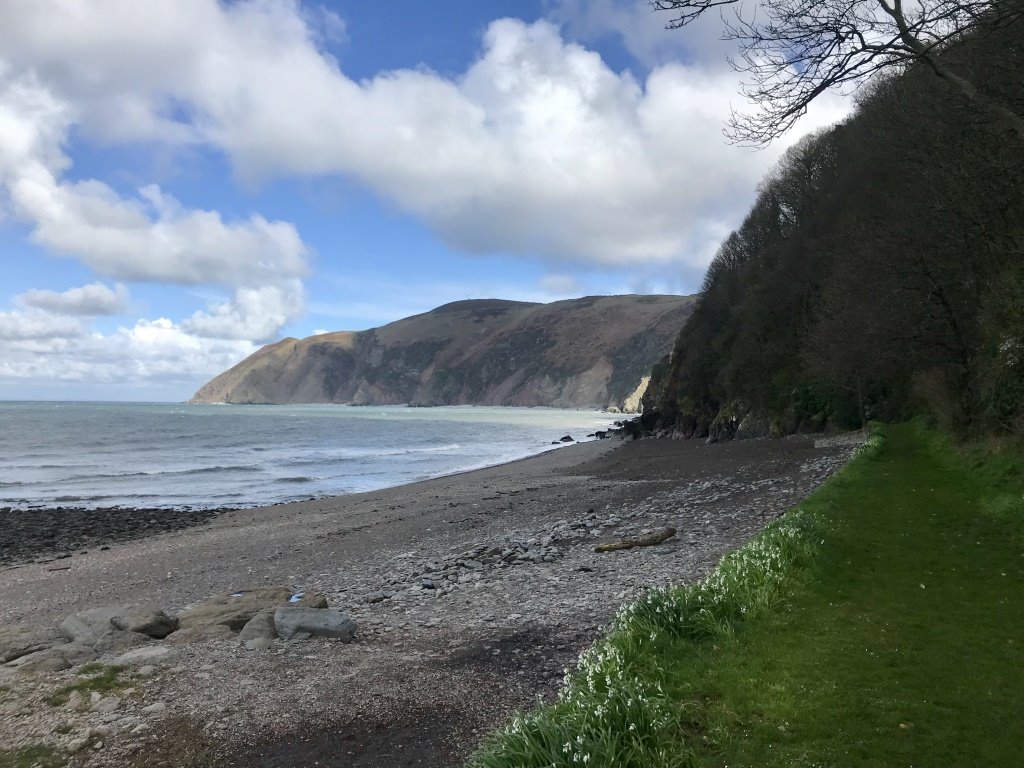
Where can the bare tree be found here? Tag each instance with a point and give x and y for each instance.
(795, 50)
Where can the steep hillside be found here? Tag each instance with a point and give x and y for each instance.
(879, 274)
(592, 352)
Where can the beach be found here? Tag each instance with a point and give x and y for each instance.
(472, 593)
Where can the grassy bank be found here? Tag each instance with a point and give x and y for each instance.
(879, 624)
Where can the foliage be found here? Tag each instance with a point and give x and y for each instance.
(879, 273)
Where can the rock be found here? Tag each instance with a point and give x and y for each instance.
(147, 655)
(54, 659)
(156, 708)
(107, 705)
(753, 425)
(148, 621)
(260, 626)
(376, 597)
(17, 641)
(323, 622)
(566, 439)
(259, 644)
(233, 610)
(199, 634)
(117, 640)
(88, 626)
(311, 600)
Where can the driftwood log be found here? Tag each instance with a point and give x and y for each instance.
(640, 541)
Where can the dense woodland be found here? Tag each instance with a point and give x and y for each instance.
(879, 274)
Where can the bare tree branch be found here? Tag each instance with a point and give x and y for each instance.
(792, 51)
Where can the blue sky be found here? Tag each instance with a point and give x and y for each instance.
(184, 180)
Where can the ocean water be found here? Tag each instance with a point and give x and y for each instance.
(176, 455)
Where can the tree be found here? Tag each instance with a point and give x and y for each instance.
(795, 50)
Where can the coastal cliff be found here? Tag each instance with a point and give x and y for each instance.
(593, 352)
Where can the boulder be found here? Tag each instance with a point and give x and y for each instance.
(150, 654)
(233, 610)
(146, 620)
(301, 623)
(310, 600)
(87, 626)
(54, 659)
(753, 425)
(260, 625)
(17, 641)
(117, 640)
(199, 634)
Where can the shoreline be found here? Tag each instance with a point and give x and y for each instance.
(431, 669)
(42, 535)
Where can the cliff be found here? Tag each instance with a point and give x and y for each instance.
(592, 352)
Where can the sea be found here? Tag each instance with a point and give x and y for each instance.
(175, 456)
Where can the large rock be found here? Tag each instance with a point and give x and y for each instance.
(117, 640)
(200, 634)
(150, 654)
(88, 626)
(753, 425)
(259, 626)
(54, 659)
(18, 641)
(233, 610)
(301, 623)
(146, 620)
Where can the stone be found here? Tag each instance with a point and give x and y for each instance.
(156, 708)
(67, 655)
(259, 644)
(322, 622)
(235, 609)
(199, 634)
(17, 641)
(117, 640)
(146, 620)
(311, 600)
(376, 597)
(88, 626)
(260, 626)
(147, 655)
(107, 705)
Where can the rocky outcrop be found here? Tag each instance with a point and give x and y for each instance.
(592, 352)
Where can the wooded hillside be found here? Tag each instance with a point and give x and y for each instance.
(879, 273)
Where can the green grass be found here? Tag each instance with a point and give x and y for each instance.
(37, 756)
(878, 625)
(101, 678)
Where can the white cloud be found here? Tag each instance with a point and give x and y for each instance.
(34, 326)
(88, 300)
(37, 346)
(252, 313)
(538, 147)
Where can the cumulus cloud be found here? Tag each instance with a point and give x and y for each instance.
(35, 326)
(88, 300)
(539, 147)
(39, 346)
(252, 313)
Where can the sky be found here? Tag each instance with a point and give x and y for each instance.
(182, 181)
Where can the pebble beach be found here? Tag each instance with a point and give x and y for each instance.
(471, 594)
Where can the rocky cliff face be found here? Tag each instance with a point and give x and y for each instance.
(592, 352)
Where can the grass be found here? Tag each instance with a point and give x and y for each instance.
(36, 756)
(101, 678)
(877, 625)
